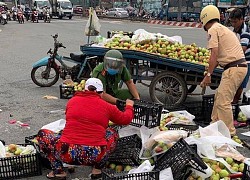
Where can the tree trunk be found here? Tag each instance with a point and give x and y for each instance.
(140, 7)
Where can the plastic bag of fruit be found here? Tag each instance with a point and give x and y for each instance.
(155, 142)
(228, 151)
(177, 117)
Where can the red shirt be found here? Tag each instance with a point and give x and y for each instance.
(87, 118)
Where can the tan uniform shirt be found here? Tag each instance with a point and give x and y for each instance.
(228, 44)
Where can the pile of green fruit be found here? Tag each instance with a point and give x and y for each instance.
(190, 53)
(219, 169)
(68, 89)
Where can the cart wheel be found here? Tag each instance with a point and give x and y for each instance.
(168, 88)
(191, 88)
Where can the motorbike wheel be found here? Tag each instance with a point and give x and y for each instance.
(38, 76)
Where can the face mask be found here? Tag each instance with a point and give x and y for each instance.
(112, 71)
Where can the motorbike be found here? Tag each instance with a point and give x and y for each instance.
(8, 15)
(3, 17)
(34, 16)
(46, 71)
(14, 15)
(47, 17)
(20, 17)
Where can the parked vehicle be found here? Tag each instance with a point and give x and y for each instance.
(3, 17)
(20, 17)
(77, 9)
(117, 12)
(62, 8)
(14, 15)
(8, 13)
(46, 71)
(34, 16)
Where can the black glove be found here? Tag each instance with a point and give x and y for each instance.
(120, 104)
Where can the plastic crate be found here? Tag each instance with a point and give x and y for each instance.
(180, 157)
(109, 174)
(43, 160)
(189, 128)
(208, 103)
(246, 172)
(66, 92)
(127, 151)
(146, 113)
(20, 166)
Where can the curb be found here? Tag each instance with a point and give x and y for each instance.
(174, 23)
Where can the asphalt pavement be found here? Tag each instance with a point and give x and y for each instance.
(23, 44)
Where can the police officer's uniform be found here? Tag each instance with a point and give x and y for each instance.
(232, 59)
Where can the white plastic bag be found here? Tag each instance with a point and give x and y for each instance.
(166, 174)
(144, 167)
(55, 126)
(129, 131)
(178, 117)
(2, 150)
(93, 26)
(215, 129)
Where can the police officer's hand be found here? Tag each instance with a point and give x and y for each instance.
(129, 102)
(206, 81)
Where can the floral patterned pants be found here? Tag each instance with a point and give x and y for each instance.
(59, 152)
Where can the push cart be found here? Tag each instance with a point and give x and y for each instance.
(169, 80)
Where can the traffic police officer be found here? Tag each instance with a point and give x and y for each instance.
(226, 51)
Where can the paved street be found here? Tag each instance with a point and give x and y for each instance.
(23, 44)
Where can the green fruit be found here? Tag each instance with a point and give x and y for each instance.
(229, 160)
(215, 177)
(18, 151)
(118, 168)
(112, 166)
(223, 173)
(235, 168)
(206, 160)
(127, 168)
(221, 165)
(151, 161)
(147, 153)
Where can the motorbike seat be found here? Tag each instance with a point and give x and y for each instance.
(79, 57)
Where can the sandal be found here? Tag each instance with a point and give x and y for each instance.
(53, 176)
(71, 169)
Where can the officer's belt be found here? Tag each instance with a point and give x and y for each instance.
(236, 64)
